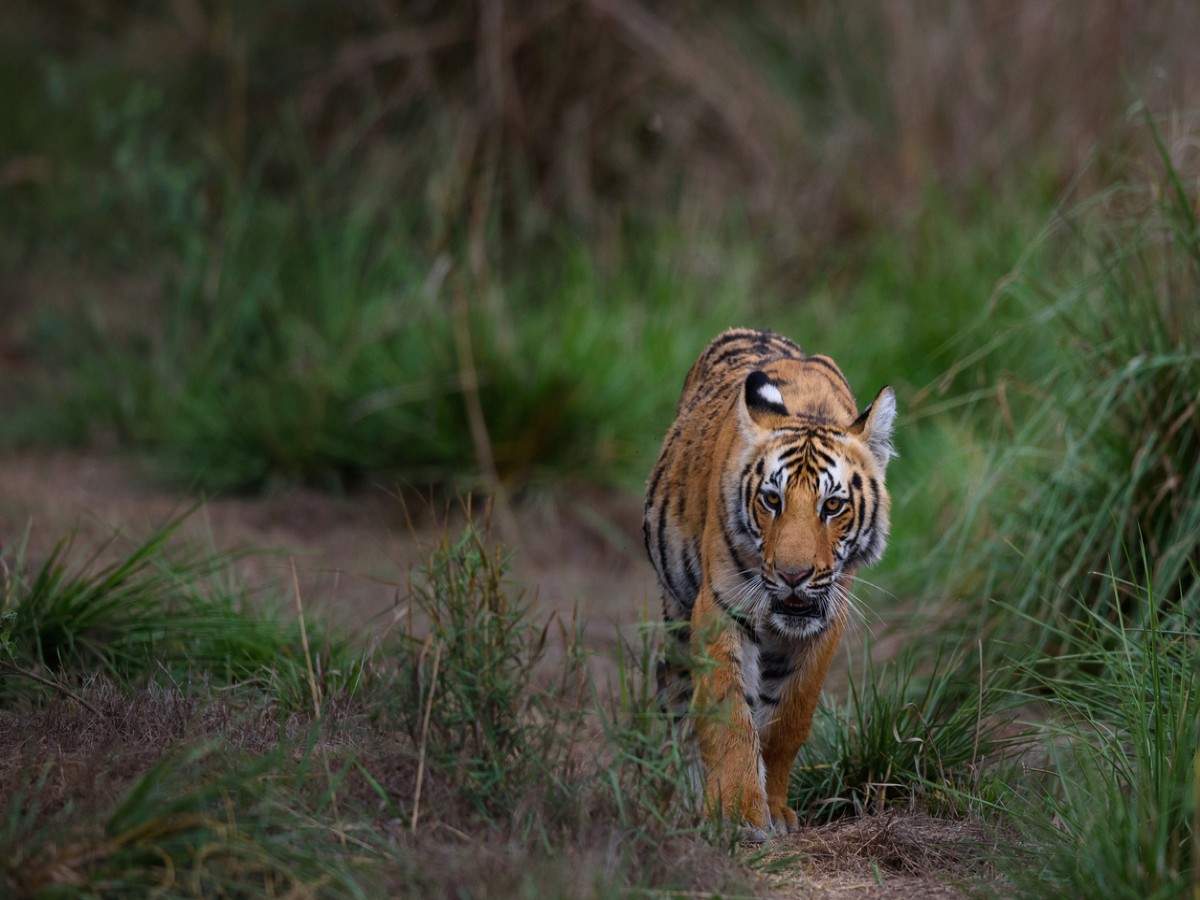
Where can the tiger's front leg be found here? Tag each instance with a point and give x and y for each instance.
(730, 749)
(792, 723)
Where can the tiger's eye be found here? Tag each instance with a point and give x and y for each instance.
(834, 505)
(771, 501)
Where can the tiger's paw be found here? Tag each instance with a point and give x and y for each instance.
(751, 834)
(783, 818)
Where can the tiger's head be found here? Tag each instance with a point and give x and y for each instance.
(811, 498)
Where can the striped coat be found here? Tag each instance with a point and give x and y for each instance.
(767, 496)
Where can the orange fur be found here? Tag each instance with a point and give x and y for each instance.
(768, 494)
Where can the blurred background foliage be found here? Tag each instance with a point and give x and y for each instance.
(302, 234)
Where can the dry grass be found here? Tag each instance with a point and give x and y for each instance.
(892, 855)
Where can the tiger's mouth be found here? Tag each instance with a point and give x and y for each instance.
(800, 606)
(800, 616)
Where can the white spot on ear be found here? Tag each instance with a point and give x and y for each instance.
(770, 393)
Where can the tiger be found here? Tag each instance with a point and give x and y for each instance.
(767, 496)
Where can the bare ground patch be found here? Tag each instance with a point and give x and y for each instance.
(353, 552)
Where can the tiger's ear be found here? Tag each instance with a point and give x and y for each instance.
(761, 401)
(874, 426)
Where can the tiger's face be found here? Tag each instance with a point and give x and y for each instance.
(814, 503)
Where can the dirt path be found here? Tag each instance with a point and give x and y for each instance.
(353, 552)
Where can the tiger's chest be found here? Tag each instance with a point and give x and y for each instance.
(768, 666)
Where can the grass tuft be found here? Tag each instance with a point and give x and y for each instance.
(161, 608)
(908, 735)
(197, 823)
(1118, 814)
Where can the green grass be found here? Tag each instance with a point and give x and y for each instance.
(159, 609)
(326, 350)
(299, 347)
(1100, 456)
(911, 734)
(1118, 812)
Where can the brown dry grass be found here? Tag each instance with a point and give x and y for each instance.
(890, 855)
(88, 761)
(85, 762)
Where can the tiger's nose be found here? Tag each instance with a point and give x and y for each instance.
(793, 578)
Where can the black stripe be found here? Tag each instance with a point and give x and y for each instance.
(747, 628)
(659, 469)
(747, 498)
(768, 699)
(790, 453)
(728, 337)
(829, 364)
(858, 504)
(742, 568)
(742, 621)
(655, 478)
(867, 523)
(775, 666)
(729, 355)
(875, 497)
(829, 460)
(691, 571)
(664, 567)
(863, 499)
(749, 700)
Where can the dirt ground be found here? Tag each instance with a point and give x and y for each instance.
(353, 553)
(582, 552)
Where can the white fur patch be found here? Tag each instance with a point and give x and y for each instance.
(770, 394)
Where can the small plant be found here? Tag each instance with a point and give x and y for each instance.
(472, 702)
(502, 715)
(904, 737)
